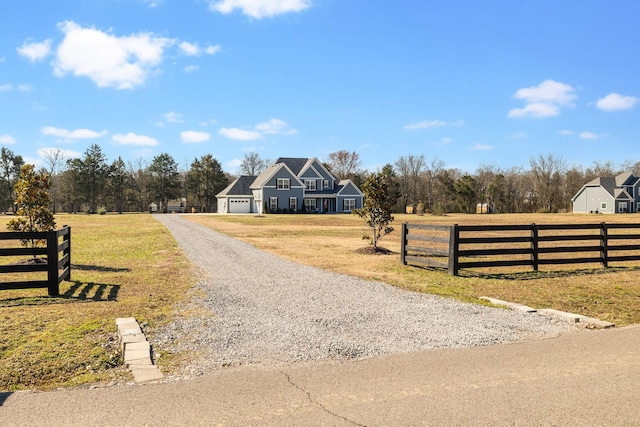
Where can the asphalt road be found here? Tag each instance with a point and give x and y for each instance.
(583, 378)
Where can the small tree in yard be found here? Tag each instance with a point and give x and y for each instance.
(379, 198)
(32, 200)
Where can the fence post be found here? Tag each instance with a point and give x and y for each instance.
(604, 244)
(534, 247)
(52, 263)
(67, 251)
(454, 242)
(403, 244)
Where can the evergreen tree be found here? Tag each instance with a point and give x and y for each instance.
(32, 200)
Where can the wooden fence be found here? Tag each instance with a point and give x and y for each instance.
(58, 267)
(480, 246)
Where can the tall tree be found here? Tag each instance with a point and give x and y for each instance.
(377, 206)
(252, 164)
(433, 169)
(345, 165)
(547, 173)
(466, 194)
(205, 179)
(165, 179)
(118, 178)
(55, 159)
(410, 170)
(93, 173)
(10, 166)
(138, 188)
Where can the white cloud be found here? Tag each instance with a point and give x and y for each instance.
(240, 134)
(192, 136)
(134, 139)
(190, 49)
(74, 134)
(260, 8)
(6, 87)
(457, 123)
(425, 125)
(173, 117)
(191, 68)
(544, 100)
(63, 154)
(614, 101)
(275, 127)
(481, 147)
(566, 132)
(7, 139)
(35, 51)
(517, 135)
(109, 61)
(588, 135)
(208, 122)
(445, 141)
(213, 49)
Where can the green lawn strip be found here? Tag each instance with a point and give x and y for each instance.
(611, 294)
(122, 266)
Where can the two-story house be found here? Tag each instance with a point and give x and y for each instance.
(290, 185)
(619, 194)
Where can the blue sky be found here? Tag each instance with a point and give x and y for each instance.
(492, 82)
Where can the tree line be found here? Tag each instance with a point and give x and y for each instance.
(91, 182)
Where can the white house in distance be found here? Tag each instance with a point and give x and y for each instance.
(619, 194)
(290, 185)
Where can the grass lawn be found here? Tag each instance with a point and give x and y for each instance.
(331, 241)
(122, 266)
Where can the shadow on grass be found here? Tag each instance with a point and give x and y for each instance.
(78, 292)
(98, 268)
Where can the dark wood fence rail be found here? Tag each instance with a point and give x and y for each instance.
(58, 267)
(480, 246)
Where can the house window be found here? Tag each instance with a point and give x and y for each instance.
(273, 203)
(293, 204)
(325, 183)
(310, 204)
(603, 206)
(349, 204)
(622, 207)
(310, 184)
(283, 183)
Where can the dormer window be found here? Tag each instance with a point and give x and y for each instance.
(310, 184)
(283, 183)
(325, 183)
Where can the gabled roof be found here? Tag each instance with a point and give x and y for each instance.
(269, 172)
(619, 193)
(345, 183)
(623, 178)
(239, 187)
(293, 163)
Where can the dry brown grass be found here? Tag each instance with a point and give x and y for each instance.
(331, 242)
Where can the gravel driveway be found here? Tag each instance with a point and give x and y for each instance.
(256, 308)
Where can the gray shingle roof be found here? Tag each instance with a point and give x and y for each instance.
(239, 187)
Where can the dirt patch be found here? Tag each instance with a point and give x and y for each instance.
(370, 250)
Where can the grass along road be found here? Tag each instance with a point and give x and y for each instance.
(331, 241)
(122, 265)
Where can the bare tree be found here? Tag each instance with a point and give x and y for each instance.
(55, 158)
(434, 168)
(410, 173)
(547, 173)
(252, 164)
(345, 164)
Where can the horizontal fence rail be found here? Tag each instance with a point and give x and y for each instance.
(483, 246)
(57, 267)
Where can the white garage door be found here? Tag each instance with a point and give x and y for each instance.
(239, 206)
